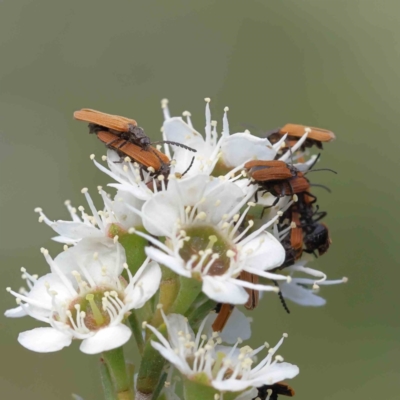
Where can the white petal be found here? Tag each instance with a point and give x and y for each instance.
(136, 190)
(172, 357)
(248, 394)
(106, 339)
(241, 147)
(163, 212)
(16, 312)
(267, 255)
(193, 189)
(109, 254)
(300, 295)
(231, 385)
(44, 340)
(125, 217)
(177, 323)
(176, 130)
(220, 290)
(275, 373)
(220, 200)
(177, 265)
(238, 326)
(75, 230)
(146, 286)
(42, 308)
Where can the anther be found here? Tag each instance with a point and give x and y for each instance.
(230, 253)
(144, 324)
(201, 216)
(38, 209)
(84, 190)
(151, 169)
(207, 99)
(104, 158)
(92, 156)
(345, 279)
(131, 230)
(116, 237)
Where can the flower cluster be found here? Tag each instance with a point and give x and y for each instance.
(177, 240)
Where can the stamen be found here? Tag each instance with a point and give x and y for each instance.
(165, 109)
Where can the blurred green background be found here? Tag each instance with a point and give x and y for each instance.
(328, 63)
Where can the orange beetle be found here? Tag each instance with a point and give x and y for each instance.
(315, 137)
(124, 128)
(148, 158)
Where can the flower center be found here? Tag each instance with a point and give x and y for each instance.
(94, 309)
(211, 250)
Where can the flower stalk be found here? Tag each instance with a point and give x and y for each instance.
(122, 382)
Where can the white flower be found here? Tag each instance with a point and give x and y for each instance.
(303, 290)
(130, 176)
(85, 297)
(227, 368)
(200, 217)
(96, 225)
(232, 150)
(238, 325)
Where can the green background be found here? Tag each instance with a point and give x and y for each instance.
(328, 63)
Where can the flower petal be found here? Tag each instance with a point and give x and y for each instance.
(241, 147)
(91, 255)
(169, 261)
(220, 290)
(44, 340)
(173, 358)
(264, 252)
(300, 295)
(106, 339)
(145, 287)
(125, 217)
(16, 312)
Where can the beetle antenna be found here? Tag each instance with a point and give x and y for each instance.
(190, 166)
(321, 169)
(315, 161)
(321, 186)
(283, 301)
(176, 144)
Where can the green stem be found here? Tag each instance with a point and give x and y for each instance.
(116, 366)
(169, 289)
(200, 313)
(151, 366)
(189, 289)
(136, 325)
(106, 382)
(160, 386)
